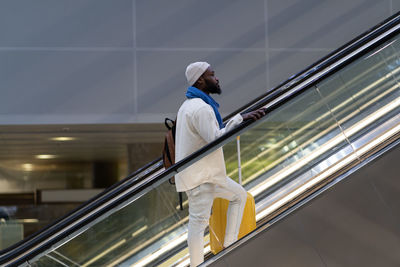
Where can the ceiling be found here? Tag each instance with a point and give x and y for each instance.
(72, 143)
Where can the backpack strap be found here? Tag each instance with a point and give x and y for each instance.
(169, 123)
(169, 152)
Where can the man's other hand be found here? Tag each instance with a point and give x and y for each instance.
(254, 115)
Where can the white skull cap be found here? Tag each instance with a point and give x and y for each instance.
(195, 70)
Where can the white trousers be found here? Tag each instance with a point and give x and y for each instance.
(200, 202)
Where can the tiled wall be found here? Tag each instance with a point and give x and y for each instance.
(123, 61)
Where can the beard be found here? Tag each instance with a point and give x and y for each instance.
(213, 88)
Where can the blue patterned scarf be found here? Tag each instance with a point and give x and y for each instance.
(193, 92)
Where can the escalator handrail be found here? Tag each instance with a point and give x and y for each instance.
(270, 96)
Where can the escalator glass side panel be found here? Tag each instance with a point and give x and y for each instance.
(129, 234)
(305, 132)
(370, 83)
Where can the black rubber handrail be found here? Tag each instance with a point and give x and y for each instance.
(127, 183)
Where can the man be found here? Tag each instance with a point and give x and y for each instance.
(199, 123)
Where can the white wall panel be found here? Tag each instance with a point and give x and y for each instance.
(123, 61)
(63, 23)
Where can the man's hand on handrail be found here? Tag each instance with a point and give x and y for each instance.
(254, 115)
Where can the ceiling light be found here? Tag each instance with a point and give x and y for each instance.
(46, 156)
(63, 138)
(27, 220)
(27, 167)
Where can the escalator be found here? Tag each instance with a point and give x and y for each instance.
(352, 222)
(323, 124)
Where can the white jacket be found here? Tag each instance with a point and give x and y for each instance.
(197, 126)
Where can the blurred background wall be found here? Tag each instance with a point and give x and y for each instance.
(123, 61)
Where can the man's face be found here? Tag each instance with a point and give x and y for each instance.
(211, 82)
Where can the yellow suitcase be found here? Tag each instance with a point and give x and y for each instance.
(218, 221)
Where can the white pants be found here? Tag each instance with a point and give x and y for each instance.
(200, 202)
